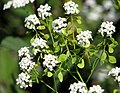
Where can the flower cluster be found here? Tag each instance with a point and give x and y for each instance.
(81, 88)
(50, 61)
(17, 3)
(107, 28)
(71, 8)
(83, 38)
(26, 65)
(24, 80)
(23, 52)
(78, 87)
(43, 11)
(116, 73)
(39, 42)
(58, 24)
(31, 21)
(96, 89)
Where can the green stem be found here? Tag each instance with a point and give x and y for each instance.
(73, 75)
(73, 30)
(93, 68)
(55, 86)
(48, 86)
(80, 77)
(49, 28)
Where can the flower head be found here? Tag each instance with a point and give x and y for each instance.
(39, 42)
(17, 3)
(24, 80)
(31, 21)
(107, 28)
(26, 64)
(116, 73)
(58, 24)
(50, 61)
(71, 8)
(23, 52)
(43, 11)
(96, 89)
(83, 38)
(78, 87)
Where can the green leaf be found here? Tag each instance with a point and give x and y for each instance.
(64, 43)
(110, 49)
(60, 76)
(112, 59)
(57, 49)
(104, 56)
(41, 27)
(55, 44)
(79, 21)
(46, 36)
(62, 58)
(115, 91)
(49, 74)
(79, 30)
(73, 60)
(70, 32)
(82, 64)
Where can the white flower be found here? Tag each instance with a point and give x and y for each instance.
(7, 5)
(118, 78)
(50, 61)
(24, 80)
(43, 11)
(39, 42)
(23, 52)
(114, 71)
(26, 64)
(71, 8)
(17, 3)
(35, 51)
(83, 38)
(78, 87)
(107, 28)
(31, 21)
(58, 24)
(96, 89)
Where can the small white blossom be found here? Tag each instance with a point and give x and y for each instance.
(7, 5)
(26, 64)
(24, 80)
(17, 3)
(96, 89)
(116, 73)
(107, 28)
(78, 87)
(43, 11)
(58, 24)
(39, 42)
(83, 38)
(50, 61)
(31, 21)
(35, 51)
(118, 78)
(23, 52)
(71, 8)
